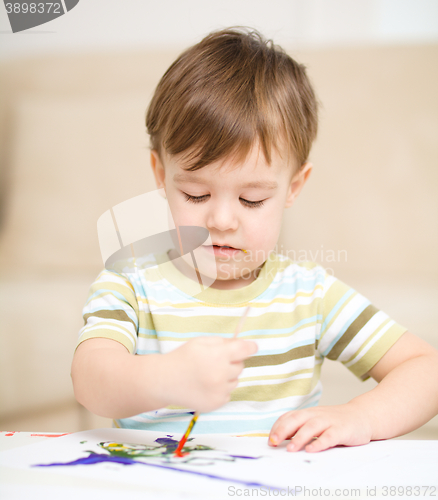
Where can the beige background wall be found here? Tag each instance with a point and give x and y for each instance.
(74, 144)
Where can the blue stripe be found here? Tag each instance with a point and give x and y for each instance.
(342, 330)
(203, 426)
(339, 304)
(248, 333)
(154, 416)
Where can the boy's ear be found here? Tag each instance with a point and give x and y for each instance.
(297, 182)
(158, 169)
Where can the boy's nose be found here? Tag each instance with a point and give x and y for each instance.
(222, 218)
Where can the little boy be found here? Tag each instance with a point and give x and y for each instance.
(231, 123)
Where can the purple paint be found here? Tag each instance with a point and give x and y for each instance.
(95, 458)
(167, 441)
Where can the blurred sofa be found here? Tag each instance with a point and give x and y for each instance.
(73, 144)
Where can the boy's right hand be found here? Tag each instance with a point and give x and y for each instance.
(205, 370)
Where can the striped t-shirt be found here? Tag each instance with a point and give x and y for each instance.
(299, 315)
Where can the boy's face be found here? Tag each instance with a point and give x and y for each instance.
(241, 205)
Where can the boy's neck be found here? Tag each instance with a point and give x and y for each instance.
(236, 283)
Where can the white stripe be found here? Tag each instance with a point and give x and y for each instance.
(370, 344)
(147, 344)
(328, 282)
(251, 383)
(107, 277)
(103, 302)
(362, 335)
(305, 335)
(346, 314)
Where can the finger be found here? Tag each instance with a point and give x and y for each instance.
(328, 439)
(232, 384)
(241, 349)
(235, 370)
(285, 427)
(306, 433)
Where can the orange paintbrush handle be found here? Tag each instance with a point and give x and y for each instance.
(186, 435)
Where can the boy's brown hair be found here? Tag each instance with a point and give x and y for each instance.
(225, 93)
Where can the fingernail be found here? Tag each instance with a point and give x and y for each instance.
(290, 447)
(273, 439)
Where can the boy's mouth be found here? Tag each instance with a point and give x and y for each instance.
(222, 250)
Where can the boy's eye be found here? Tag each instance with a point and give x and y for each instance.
(252, 204)
(200, 199)
(196, 199)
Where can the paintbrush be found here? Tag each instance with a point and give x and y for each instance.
(192, 423)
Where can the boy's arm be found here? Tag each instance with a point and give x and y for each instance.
(110, 382)
(200, 375)
(405, 398)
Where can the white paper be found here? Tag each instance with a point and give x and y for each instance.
(224, 472)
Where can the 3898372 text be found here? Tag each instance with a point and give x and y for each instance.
(414, 491)
(34, 8)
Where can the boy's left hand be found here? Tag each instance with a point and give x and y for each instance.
(405, 398)
(330, 425)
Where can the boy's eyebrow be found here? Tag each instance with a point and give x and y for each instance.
(178, 177)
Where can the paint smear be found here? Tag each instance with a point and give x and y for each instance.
(50, 435)
(126, 454)
(95, 458)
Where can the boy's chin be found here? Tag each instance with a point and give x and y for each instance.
(216, 274)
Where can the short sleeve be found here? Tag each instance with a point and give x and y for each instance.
(111, 311)
(353, 331)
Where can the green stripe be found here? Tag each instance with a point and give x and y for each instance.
(377, 351)
(270, 392)
(117, 314)
(352, 331)
(277, 359)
